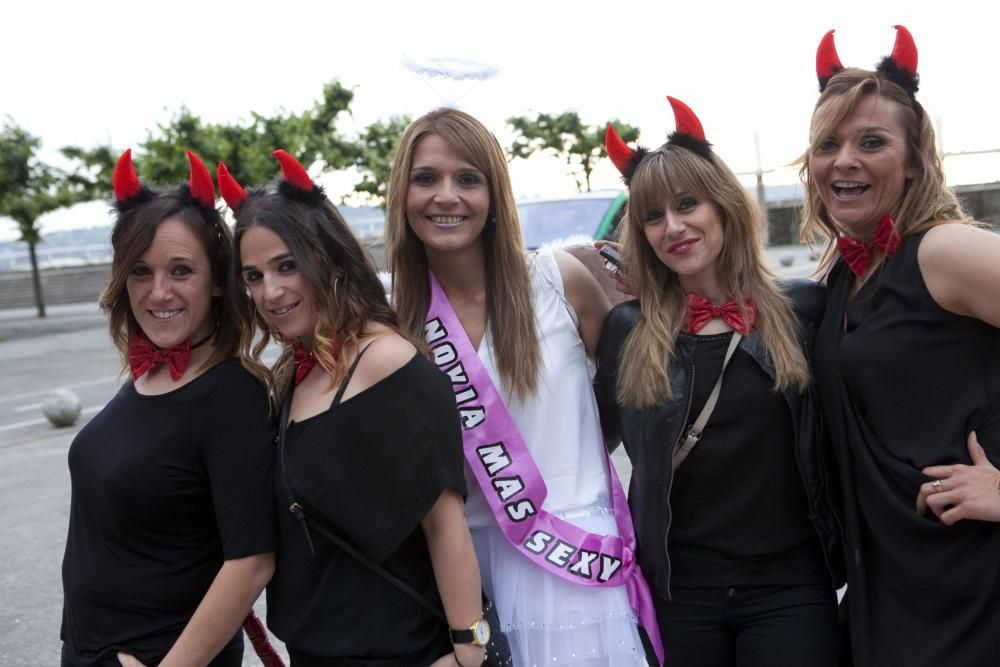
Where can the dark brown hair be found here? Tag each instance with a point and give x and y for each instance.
(133, 233)
(346, 288)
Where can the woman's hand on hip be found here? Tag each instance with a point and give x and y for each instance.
(959, 491)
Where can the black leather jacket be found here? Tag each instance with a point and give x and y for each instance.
(649, 435)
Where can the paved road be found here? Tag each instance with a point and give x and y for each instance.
(34, 480)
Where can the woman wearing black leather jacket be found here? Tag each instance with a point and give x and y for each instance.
(740, 544)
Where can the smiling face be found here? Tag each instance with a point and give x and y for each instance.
(278, 289)
(447, 198)
(686, 235)
(170, 288)
(861, 168)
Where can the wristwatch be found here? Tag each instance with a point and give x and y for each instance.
(477, 634)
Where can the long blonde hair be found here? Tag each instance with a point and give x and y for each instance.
(509, 311)
(926, 202)
(644, 377)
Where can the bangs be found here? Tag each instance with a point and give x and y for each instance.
(665, 174)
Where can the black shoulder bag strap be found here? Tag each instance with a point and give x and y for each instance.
(308, 522)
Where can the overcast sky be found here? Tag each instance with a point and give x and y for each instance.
(100, 71)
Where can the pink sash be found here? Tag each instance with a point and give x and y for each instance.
(513, 486)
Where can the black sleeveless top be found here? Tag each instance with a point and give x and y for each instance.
(370, 469)
(902, 381)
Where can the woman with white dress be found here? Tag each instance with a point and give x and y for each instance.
(552, 530)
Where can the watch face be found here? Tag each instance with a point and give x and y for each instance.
(482, 632)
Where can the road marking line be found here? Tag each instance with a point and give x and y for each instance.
(25, 408)
(36, 422)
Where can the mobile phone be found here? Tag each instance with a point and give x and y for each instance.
(612, 258)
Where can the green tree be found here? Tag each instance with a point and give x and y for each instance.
(29, 189)
(92, 171)
(246, 145)
(377, 147)
(568, 137)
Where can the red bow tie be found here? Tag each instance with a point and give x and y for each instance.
(858, 254)
(701, 310)
(304, 362)
(143, 356)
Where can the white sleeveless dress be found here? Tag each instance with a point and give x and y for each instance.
(548, 620)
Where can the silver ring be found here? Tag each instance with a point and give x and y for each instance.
(938, 485)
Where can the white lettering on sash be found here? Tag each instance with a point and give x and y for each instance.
(494, 457)
(581, 567)
(434, 330)
(609, 566)
(507, 487)
(444, 354)
(472, 417)
(457, 374)
(560, 554)
(520, 510)
(538, 541)
(466, 395)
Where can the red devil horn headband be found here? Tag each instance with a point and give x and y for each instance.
(296, 182)
(689, 133)
(624, 158)
(904, 51)
(685, 120)
(293, 172)
(125, 182)
(232, 192)
(200, 182)
(129, 190)
(900, 66)
(827, 60)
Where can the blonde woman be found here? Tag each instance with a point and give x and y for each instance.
(708, 368)
(908, 369)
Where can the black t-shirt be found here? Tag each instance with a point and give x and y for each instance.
(369, 469)
(165, 488)
(740, 515)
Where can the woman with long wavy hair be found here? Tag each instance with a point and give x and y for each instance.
(908, 368)
(369, 457)
(709, 367)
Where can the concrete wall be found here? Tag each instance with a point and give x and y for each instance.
(72, 285)
(83, 284)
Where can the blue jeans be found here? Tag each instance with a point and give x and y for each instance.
(749, 626)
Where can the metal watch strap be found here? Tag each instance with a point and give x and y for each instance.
(694, 433)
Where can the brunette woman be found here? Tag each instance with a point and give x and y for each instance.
(371, 451)
(171, 529)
